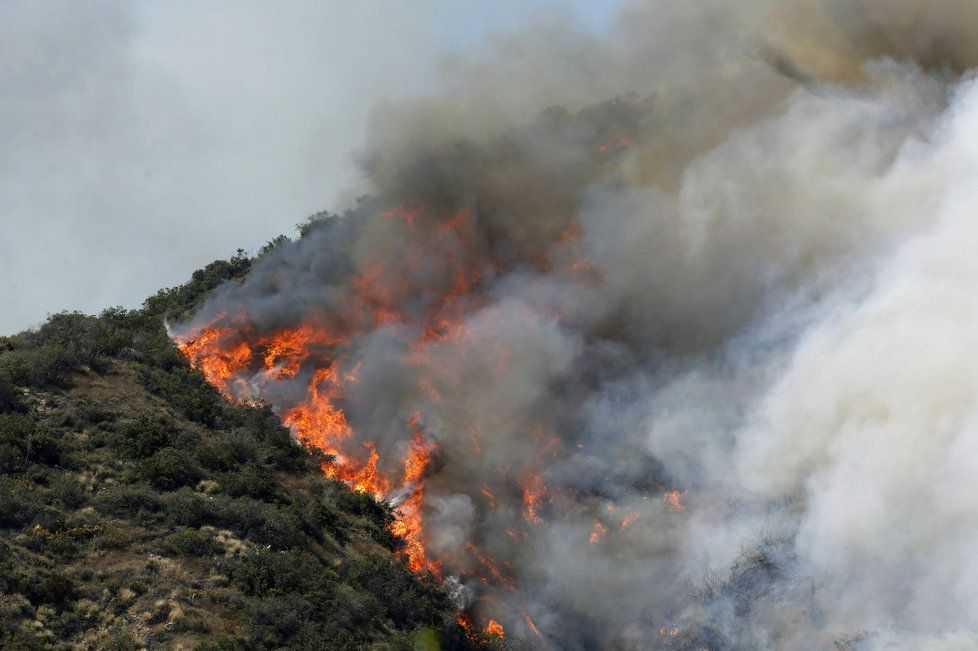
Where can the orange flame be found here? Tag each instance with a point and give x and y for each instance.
(219, 361)
(408, 525)
(494, 629)
(531, 625)
(597, 533)
(241, 360)
(674, 500)
(533, 491)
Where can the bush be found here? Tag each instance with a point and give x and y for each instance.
(185, 389)
(192, 542)
(18, 506)
(67, 490)
(10, 400)
(189, 508)
(56, 588)
(263, 571)
(277, 620)
(82, 414)
(408, 599)
(24, 441)
(128, 501)
(15, 432)
(42, 367)
(169, 469)
(146, 436)
(227, 450)
(251, 480)
(262, 523)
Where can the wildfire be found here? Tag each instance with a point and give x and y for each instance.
(494, 629)
(491, 629)
(533, 491)
(531, 625)
(217, 360)
(491, 568)
(286, 350)
(408, 525)
(674, 500)
(598, 532)
(428, 292)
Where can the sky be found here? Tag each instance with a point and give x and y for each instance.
(139, 141)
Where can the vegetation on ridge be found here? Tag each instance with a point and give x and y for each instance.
(140, 509)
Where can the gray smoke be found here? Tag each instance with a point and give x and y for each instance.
(712, 286)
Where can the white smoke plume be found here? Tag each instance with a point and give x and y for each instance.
(687, 313)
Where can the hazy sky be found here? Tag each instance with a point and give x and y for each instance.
(139, 141)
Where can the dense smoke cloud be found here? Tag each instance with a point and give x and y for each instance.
(144, 139)
(686, 314)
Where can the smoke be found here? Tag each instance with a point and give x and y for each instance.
(686, 314)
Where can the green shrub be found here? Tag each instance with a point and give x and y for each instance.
(185, 389)
(56, 589)
(82, 414)
(10, 399)
(67, 490)
(45, 366)
(227, 450)
(128, 500)
(188, 508)
(250, 480)
(192, 542)
(262, 523)
(169, 469)
(18, 505)
(360, 504)
(223, 642)
(120, 640)
(262, 571)
(146, 436)
(24, 441)
(45, 446)
(265, 524)
(15, 432)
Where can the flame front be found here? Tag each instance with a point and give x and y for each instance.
(308, 366)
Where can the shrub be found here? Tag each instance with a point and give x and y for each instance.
(192, 542)
(189, 508)
(185, 389)
(262, 523)
(18, 506)
(169, 469)
(10, 400)
(56, 588)
(262, 571)
(250, 480)
(15, 431)
(146, 436)
(44, 446)
(82, 414)
(128, 500)
(408, 600)
(67, 490)
(227, 450)
(45, 366)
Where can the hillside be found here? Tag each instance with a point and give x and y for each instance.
(140, 509)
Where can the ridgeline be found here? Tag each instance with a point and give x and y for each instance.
(140, 509)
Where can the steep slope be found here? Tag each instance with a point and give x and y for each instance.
(140, 509)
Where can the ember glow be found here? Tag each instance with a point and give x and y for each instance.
(620, 332)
